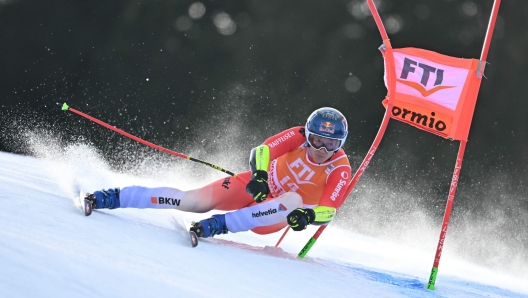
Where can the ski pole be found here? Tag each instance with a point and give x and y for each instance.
(65, 107)
(311, 242)
(282, 237)
(319, 231)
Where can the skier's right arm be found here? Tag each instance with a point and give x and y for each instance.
(258, 162)
(261, 156)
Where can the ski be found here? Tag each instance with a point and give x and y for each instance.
(192, 235)
(194, 238)
(86, 205)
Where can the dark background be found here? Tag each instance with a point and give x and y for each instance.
(222, 83)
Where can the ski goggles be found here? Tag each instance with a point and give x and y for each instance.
(319, 142)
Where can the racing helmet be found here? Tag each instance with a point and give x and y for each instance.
(326, 128)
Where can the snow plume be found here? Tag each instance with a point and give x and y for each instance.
(375, 208)
(225, 137)
(77, 163)
(401, 198)
(74, 166)
(492, 235)
(493, 230)
(90, 152)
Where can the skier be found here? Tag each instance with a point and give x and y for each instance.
(298, 177)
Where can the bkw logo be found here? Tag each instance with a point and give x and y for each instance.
(166, 201)
(409, 66)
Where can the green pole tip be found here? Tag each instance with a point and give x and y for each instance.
(432, 279)
(430, 287)
(65, 107)
(306, 248)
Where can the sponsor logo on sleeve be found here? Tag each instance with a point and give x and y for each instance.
(281, 139)
(265, 213)
(337, 190)
(226, 182)
(165, 201)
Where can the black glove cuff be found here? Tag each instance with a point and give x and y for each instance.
(260, 174)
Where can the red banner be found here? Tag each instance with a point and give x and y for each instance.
(433, 92)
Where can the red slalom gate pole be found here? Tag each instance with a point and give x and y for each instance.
(65, 107)
(460, 155)
(447, 214)
(489, 32)
(377, 19)
(391, 79)
(355, 179)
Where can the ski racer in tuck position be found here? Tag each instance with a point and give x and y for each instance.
(298, 177)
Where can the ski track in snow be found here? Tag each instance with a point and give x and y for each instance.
(49, 249)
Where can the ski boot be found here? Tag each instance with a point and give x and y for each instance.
(101, 199)
(210, 227)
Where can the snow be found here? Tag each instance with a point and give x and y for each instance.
(49, 249)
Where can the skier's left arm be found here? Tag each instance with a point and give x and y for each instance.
(332, 198)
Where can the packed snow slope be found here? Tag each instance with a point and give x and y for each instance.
(49, 249)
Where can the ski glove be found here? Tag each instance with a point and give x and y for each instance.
(300, 218)
(258, 186)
